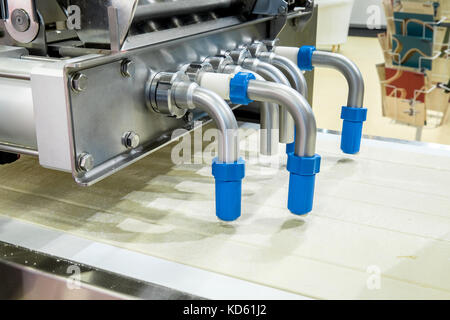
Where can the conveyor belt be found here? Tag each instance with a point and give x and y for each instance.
(380, 228)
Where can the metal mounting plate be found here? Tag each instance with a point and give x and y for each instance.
(28, 10)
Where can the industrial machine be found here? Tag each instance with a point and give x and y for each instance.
(91, 87)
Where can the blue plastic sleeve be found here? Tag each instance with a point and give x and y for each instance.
(302, 183)
(352, 129)
(228, 188)
(305, 54)
(239, 88)
(290, 148)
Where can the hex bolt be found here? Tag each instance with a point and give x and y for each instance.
(127, 68)
(20, 20)
(79, 82)
(85, 162)
(131, 140)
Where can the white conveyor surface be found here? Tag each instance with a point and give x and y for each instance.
(386, 211)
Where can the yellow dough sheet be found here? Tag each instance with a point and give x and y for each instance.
(380, 228)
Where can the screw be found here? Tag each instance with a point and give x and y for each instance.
(127, 68)
(79, 82)
(85, 162)
(131, 140)
(20, 20)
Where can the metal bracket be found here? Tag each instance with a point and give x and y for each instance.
(271, 7)
(22, 21)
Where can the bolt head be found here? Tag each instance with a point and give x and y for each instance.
(79, 82)
(128, 68)
(131, 140)
(20, 20)
(86, 162)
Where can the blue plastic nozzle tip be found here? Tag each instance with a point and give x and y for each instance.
(352, 129)
(302, 183)
(228, 188)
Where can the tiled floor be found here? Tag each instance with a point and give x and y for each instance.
(331, 93)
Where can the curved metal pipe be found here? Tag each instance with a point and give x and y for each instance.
(269, 134)
(350, 71)
(299, 108)
(290, 70)
(273, 74)
(191, 95)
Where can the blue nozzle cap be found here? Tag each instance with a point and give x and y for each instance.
(302, 182)
(228, 188)
(352, 129)
(305, 54)
(239, 88)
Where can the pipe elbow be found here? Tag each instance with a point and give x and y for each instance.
(349, 70)
(189, 95)
(303, 164)
(297, 106)
(289, 69)
(228, 169)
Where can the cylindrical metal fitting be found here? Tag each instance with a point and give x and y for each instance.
(219, 62)
(159, 96)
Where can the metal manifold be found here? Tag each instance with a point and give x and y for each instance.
(73, 74)
(90, 87)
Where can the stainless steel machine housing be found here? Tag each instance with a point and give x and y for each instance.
(73, 96)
